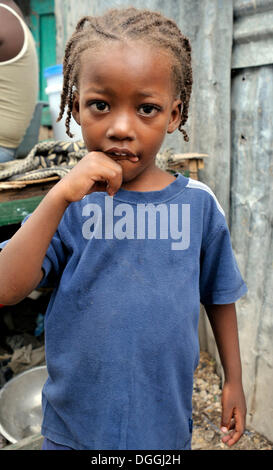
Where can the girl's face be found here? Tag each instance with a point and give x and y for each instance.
(125, 104)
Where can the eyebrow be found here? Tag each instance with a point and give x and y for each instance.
(102, 91)
(147, 94)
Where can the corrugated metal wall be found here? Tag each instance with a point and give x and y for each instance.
(252, 198)
(231, 120)
(251, 202)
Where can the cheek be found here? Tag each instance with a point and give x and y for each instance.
(91, 129)
(160, 126)
(91, 138)
(155, 135)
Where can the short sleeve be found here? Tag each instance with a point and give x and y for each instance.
(2, 244)
(53, 262)
(220, 279)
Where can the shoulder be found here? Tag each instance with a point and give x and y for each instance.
(12, 34)
(203, 193)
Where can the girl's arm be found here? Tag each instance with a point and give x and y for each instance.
(224, 326)
(22, 258)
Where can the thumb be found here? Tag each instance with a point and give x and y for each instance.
(227, 413)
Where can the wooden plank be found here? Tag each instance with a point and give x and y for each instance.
(189, 156)
(19, 184)
(26, 192)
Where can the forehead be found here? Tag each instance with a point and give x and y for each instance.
(129, 66)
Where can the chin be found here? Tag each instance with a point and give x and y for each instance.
(127, 178)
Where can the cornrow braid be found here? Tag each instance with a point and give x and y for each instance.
(122, 25)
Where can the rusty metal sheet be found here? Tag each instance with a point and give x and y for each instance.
(252, 33)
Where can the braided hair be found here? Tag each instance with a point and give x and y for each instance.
(121, 25)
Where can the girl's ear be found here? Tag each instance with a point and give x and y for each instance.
(175, 117)
(76, 107)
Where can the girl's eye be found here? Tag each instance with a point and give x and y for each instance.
(148, 110)
(100, 106)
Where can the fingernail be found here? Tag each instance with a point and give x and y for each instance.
(224, 429)
(134, 159)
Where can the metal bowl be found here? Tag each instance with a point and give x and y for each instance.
(21, 404)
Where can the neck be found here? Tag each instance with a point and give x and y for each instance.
(156, 180)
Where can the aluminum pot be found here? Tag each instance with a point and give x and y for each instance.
(21, 404)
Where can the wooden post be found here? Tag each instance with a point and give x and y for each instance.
(193, 169)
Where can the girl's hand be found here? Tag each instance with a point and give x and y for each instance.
(233, 413)
(96, 171)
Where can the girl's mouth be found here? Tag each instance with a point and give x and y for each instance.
(122, 154)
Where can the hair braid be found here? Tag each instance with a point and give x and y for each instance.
(122, 25)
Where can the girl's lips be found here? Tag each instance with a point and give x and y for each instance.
(121, 154)
(131, 159)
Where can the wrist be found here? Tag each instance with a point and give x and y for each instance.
(233, 379)
(58, 196)
(233, 372)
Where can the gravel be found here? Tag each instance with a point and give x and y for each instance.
(207, 413)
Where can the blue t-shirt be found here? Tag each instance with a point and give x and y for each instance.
(121, 327)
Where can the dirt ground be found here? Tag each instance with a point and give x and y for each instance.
(207, 413)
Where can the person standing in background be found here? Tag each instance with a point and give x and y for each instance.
(18, 78)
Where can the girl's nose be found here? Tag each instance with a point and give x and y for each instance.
(121, 128)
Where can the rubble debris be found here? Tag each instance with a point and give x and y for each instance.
(207, 413)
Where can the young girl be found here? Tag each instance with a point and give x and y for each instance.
(130, 250)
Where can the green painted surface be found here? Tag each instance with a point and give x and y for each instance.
(43, 27)
(13, 212)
